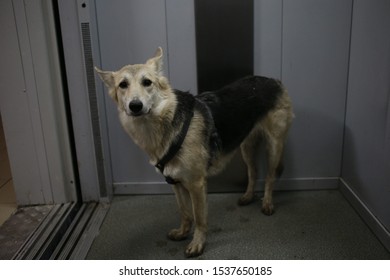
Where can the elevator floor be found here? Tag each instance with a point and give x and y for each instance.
(306, 225)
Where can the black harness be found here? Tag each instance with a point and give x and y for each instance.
(177, 142)
(185, 115)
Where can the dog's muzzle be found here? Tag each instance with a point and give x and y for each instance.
(136, 107)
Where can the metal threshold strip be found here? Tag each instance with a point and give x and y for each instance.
(67, 232)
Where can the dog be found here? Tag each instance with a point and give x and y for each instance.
(189, 138)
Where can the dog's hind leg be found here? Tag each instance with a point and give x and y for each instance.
(274, 158)
(275, 129)
(248, 151)
(184, 202)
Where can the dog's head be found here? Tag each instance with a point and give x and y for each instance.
(138, 89)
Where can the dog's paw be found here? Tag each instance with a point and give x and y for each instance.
(267, 209)
(194, 249)
(177, 235)
(246, 199)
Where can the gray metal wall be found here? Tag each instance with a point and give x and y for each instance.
(366, 156)
(305, 43)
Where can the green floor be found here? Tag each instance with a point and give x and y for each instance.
(306, 225)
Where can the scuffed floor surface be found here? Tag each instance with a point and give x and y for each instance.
(306, 225)
(15, 231)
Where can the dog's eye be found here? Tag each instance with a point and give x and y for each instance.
(123, 85)
(146, 82)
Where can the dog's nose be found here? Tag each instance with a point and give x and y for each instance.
(135, 106)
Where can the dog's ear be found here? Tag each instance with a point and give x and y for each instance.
(157, 62)
(107, 77)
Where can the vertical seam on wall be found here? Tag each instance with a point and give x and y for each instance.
(346, 94)
(39, 104)
(19, 44)
(35, 128)
(104, 118)
(281, 41)
(167, 39)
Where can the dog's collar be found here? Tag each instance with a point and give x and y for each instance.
(178, 140)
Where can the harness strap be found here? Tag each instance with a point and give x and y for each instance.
(176, 144)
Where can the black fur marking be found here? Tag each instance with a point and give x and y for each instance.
(238, 106)
(212, 140)
(185, 104)
(183, 116)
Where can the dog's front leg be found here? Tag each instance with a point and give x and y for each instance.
(197, 192)
(184, 202)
